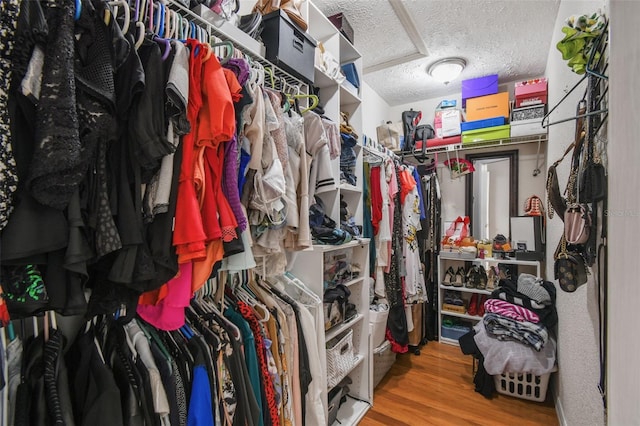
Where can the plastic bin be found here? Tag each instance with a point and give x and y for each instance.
(523, 385)
(378, 322)
(383, 359)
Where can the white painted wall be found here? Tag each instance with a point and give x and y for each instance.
(375, 111)
(578, 400)
(624, 222)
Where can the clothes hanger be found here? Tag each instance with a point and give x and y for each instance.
(112, 10)
(269, 71)
(140, 30)
(229, 53)
(167, 45)
(78, 10)
(314, 101)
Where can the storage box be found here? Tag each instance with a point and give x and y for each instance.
(447, 122)
(383, 360)
(378, 322)
(527, 127)
(351, 73)
(486, 134)
(287, 46)
(341, 23)
(523, 385)
(454, 332)
(531, 92)
(481, 86)
(488, 106)
(527, 113)
(481, 124)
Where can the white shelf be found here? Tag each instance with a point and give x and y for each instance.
(465, 289)
(347, 187)
(456, 314)
(348, 94)
(320, 27)
(328, 247)
(449, 341)
(444, 260)
(323, 80)
(351, 412)
(333, 332)
(354, 281)
(348, 53)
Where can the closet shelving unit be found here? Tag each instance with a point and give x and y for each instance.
(338, 97)
(445, 260)
(309, 267)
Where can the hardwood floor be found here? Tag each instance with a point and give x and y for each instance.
(436, 388)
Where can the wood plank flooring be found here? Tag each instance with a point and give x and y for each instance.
(436, 388)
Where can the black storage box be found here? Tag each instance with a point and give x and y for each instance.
(287, 46)
(341, 23)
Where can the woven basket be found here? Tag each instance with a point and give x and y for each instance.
(340, 358)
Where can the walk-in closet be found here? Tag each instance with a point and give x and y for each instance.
(318, 212)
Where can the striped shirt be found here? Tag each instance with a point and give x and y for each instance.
(509, 310)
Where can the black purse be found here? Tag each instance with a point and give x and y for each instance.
(569, 268)
(593, 182)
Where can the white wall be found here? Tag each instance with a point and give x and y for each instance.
(375, 111)
(624, 222)
(578, 400)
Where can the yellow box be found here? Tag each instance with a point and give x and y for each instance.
(489, 106)
(487, 248)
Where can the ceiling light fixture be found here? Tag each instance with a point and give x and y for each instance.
(447, 69)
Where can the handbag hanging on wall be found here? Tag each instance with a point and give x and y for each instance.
(569, 268)
(577, 224)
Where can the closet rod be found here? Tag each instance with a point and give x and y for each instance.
(213, 30)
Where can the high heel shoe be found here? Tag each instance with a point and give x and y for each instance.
(481, 278)
(448, 277)
(459, 278)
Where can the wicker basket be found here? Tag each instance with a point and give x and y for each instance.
(523, 385)
(340, 358)
(383, 359)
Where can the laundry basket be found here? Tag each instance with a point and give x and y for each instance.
(523, 385)
(340, 358)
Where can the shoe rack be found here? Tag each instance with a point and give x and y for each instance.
(462, 291)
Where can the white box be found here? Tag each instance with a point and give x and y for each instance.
(532, 126)
(447, 123)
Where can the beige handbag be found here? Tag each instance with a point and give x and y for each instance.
(291, 7)
(389, 134)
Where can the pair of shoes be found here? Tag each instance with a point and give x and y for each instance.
(476, 304)
(476, 277)
(459, 278)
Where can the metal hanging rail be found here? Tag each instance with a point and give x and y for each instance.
(251, 48)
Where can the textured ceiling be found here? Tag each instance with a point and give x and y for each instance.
(510, 38)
